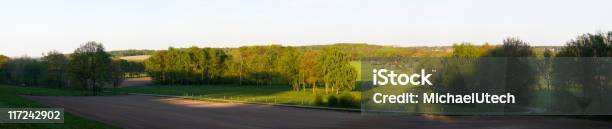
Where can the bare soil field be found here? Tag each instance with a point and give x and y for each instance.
(147, 112)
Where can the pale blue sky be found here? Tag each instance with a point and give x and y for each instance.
(35, 26)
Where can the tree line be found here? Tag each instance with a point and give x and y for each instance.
(89, 67)
(254, 65)
(130, 52)
(572, 72)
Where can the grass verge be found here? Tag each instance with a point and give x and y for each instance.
(9, 98)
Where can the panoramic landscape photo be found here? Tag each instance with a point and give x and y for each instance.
(305, 64)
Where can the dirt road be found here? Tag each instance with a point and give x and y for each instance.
(146, 112)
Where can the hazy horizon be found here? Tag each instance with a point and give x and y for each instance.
(33, 27)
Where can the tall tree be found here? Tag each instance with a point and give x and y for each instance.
(582, 69)
(57, 64)
(588, 45)
(217, 59)
(309, 73)
(337, 70)
(288, 67)
(156, 67)
(521, 77)
(91, 66)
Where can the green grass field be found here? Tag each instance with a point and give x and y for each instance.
(260, 94)
(9, 98)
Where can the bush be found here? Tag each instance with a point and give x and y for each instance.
(332, 100)
(318, 100)
(348, 100)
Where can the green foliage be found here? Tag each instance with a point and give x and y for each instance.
(332, 100)
(308, 72)
(362, 50)
(288, 67)
(117, 71)
(586, 74)
(465, 50)
(90, 67)
(259, 65)
(522, 79)
(25, 71)
(187, 66)
(513, 47)
(251, 93)
(130, 52)
(337, 70)
(57, 66)
(348, 100)
(318, 100)
(589, 45)
(133, 69)
(548, 53)
(484, 49)
(345, 100)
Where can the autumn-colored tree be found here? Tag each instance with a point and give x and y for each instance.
(3, 61)
(309, 73)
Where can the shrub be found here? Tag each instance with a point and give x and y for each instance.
(348, 100)
(318, 100)
(332, 100)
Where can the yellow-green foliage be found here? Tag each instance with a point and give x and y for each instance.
(465, 50)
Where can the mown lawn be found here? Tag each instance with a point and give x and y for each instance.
(261, 94)
(9, 98)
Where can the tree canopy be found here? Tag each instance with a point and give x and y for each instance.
(90, 66)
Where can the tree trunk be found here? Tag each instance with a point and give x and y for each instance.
(314, 87)
(326, 91)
